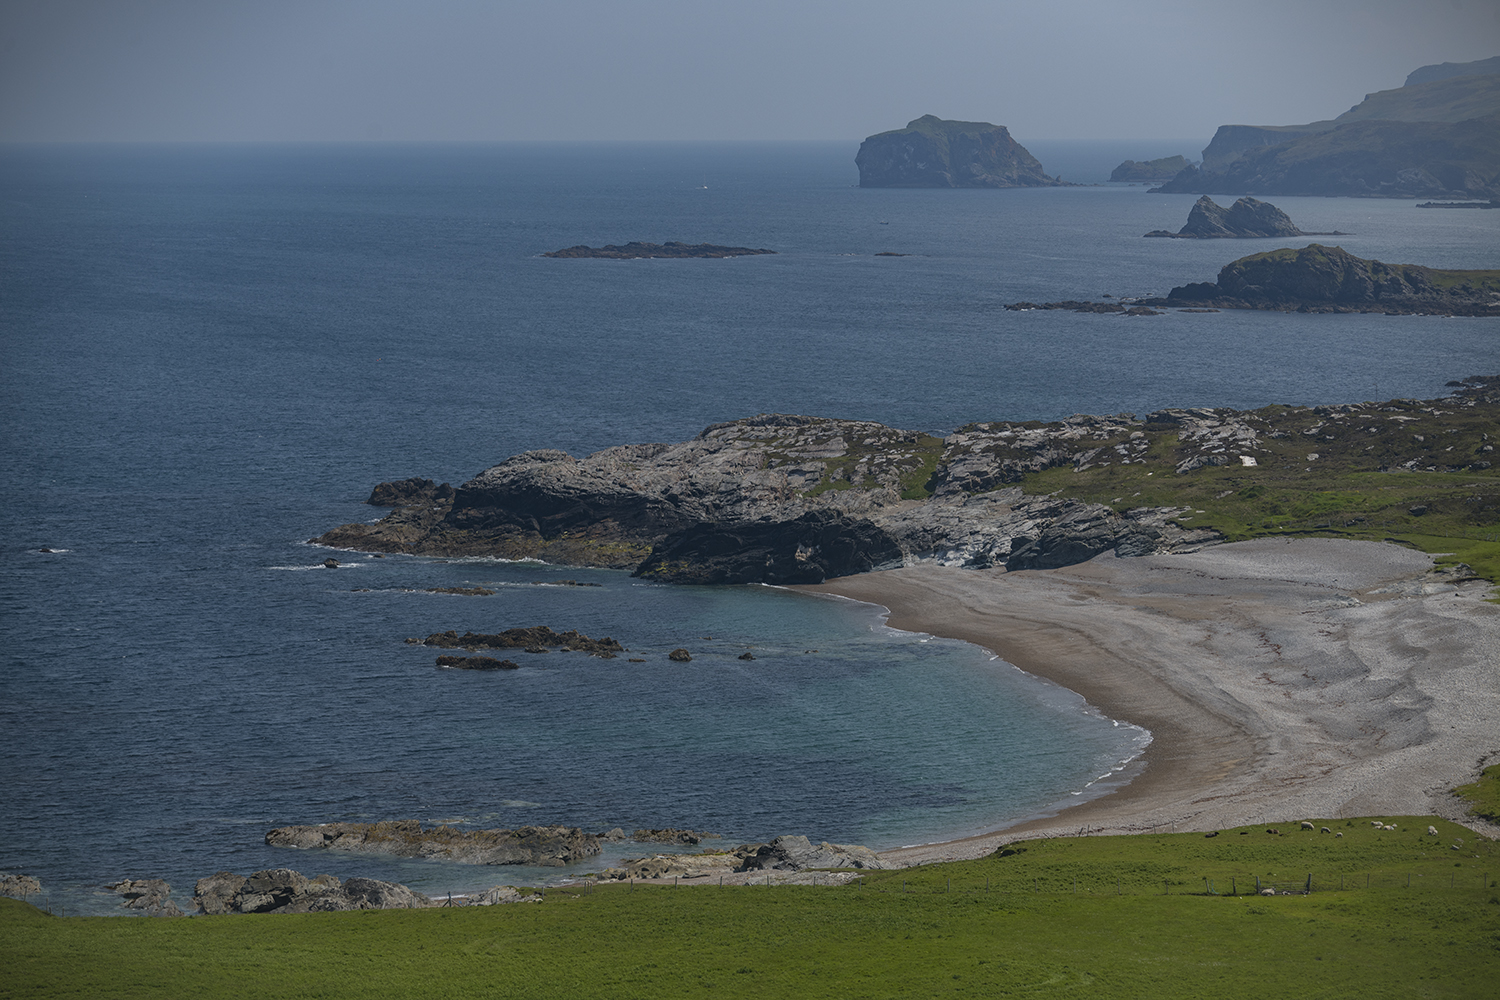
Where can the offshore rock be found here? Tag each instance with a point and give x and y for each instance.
(1161, 169)
(476, 663)
(282, 890)
(548, 846)
(1245, 219)
(933, 152)
(1330, 279)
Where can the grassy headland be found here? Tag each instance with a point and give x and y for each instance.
(1393, 912)
(1407, 471)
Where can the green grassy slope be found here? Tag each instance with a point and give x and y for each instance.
(1008, 925)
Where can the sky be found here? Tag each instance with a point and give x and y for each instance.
(488, 70)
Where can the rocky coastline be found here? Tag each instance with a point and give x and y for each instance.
(791, 499)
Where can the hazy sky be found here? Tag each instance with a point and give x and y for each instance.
(703, 69)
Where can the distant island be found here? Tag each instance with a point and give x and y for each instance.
(636, 251)
(1245, 219)
(1150, 170)
(931, 152)
(1436, 137)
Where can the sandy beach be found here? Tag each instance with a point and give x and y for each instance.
(1280, 679)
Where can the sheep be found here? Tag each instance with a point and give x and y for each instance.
(1432, 831)
(1325, 830)
(1306, 825)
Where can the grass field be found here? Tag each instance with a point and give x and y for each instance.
(1070, 917)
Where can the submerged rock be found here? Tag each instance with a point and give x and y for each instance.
(635, 251)
(538, 638)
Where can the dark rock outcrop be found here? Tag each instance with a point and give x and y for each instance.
(549, 846)
(1161, 169)
(536, 637)
(1247, 218)
(1330, 279)
(636, 251)
(933, 152)
(282, 890)
(807, 549)
(408, 491)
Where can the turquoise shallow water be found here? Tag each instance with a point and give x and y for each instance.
(211, 354)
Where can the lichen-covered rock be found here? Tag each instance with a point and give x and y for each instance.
(18, 885)
(548, 846)
(797, 852)
(934, 152)
(282, 890)
(147, 895)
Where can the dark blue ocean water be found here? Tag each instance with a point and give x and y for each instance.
(211, 354)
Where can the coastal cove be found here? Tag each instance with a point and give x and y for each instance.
(213, 354)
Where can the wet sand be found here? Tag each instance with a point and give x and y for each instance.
(1280, 679)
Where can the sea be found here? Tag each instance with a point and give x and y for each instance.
(210, 354)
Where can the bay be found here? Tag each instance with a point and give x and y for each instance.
(210, 354)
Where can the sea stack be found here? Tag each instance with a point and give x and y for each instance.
(933, 152)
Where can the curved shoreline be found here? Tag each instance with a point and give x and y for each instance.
(1279, 678)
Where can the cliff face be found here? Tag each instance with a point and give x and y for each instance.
(932, 152)
(1439, 138)
(1330, 279)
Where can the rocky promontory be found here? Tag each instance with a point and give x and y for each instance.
(547, 846)
(1247, 218)
(790, 499)
(638, 251)
(934, 152)
(1330, 279)
(1161, 169)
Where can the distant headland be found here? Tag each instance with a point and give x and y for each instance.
(932, 152)
(1438, 136)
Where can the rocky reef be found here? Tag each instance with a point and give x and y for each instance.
(548, 846)
(934, 152)
(1247, 218)
(1161, 169)
(538, 638)
(1330, 279)
(1436, 137)
(790, 499)
(637, 251)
